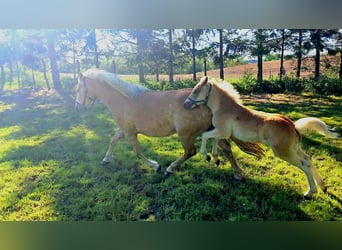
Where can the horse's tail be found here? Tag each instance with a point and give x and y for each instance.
(250, 148)
(312, 124)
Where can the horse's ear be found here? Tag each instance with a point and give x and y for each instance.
(80, 76)
(204, 79)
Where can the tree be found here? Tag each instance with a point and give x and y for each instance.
(221, 54)
(336, 48)
(318, 39)
(170, 31)
(4, 56)
(91, 44)
(191, 38)
(51, 37)
(158, 52)
(259, 50)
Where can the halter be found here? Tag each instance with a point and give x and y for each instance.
(85, 89)
(204, 101)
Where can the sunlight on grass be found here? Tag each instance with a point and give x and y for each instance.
(50, 167)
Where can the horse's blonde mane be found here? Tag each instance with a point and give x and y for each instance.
(127, 89)
(228, 89)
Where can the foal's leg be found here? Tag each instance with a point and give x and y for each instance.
(132, 138)
(109, 154)
(316, 176)
(296, 159)
(210, 134)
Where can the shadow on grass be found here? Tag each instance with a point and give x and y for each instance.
(126, 190)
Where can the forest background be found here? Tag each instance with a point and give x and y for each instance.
(307, 59)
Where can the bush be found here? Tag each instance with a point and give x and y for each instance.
(325, 85)
(165, 85)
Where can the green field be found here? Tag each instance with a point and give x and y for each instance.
(50, 168)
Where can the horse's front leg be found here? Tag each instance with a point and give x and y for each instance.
(109, 154)
(188, 143)
(132, 138)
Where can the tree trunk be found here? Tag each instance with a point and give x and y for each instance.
(74, 61)
(260, 77)
(139, 58)
(2, 83)
(45, 75)
(33, 78)
(193, 51)
(340, 72)
(171, 57)
(317, 64)
(96, 54)
(54, 69)
(18, 74)
(260, 51)
(205, 67)
(11, 73)
(157, 70)
(299, 57)
(282, 69)
(221, 55)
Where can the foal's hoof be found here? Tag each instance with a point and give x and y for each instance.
(105, 162)
(208, 158)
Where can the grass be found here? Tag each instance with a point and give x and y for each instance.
(50, 169)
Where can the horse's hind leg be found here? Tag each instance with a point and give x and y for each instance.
(132, 138)
(109, 154)
(225, 146)
(298, 160)
(316, 176)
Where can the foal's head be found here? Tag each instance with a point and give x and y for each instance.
(84, 99)
(199, 94)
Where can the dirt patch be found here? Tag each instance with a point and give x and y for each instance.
(270, 69)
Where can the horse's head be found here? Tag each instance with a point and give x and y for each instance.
(84, 98)
(199, 94)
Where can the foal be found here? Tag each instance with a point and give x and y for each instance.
(233, 120)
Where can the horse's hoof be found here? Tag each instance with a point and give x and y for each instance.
(325, 189)
(158, 169)
(217, 163)
(208, 158)
(307, 197)
(167, 173)
(105, 162)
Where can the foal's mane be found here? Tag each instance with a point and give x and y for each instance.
(127, 89)
(228, 89)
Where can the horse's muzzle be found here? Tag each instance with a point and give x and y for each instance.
(188, 104)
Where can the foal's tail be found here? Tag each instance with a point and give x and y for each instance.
(312, 124)
(250, 148)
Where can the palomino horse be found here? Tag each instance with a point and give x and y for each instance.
(137, 109)
(232, 119)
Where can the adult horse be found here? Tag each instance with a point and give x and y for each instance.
(137, 109)
(232, 119)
